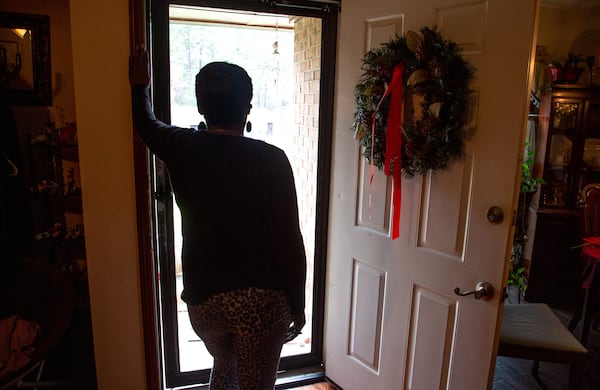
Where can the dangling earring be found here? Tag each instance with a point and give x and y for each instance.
(202, 126)
(248, 126)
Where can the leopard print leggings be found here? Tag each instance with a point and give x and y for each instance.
(244, 331)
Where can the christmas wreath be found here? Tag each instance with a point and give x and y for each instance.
(437, 80)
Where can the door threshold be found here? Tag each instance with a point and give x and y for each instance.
(290, 379)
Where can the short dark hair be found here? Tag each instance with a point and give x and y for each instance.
(223, 93)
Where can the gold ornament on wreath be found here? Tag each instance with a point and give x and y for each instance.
(437, 82)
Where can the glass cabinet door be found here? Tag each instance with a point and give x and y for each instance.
(559, 164)
(590, 171)
(592, 118)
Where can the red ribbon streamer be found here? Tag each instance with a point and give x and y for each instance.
(393, 149)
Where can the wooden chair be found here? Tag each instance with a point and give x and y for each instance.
(533, 332)
(590, 256)
(590, 202)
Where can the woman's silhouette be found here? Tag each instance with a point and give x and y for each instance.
(244, 264)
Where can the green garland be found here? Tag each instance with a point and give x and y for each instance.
(434, 70)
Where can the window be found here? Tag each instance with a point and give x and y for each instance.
(288, 52)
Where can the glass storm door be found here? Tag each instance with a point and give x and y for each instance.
(281, 47)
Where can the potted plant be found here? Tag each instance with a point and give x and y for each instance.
(568, 72)
(554, 68)
(517, 278)
(571, 71)
(528, 187)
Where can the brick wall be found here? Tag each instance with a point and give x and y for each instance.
(307, 73)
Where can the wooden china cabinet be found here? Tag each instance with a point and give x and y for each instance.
(567, 158)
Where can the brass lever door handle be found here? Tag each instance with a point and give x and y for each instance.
(483, 290)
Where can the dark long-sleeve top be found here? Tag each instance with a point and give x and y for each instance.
(238, 205)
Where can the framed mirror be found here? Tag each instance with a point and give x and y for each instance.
(25, 76)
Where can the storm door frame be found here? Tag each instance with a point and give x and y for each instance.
(155, 201)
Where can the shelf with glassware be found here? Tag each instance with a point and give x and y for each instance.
(51, 171)
(53, 176)
(568, 158)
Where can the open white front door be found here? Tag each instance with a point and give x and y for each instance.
(392, 318)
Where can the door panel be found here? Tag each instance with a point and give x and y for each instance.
(430, 342)
(368, 287)
(392, 318)
(438, 193)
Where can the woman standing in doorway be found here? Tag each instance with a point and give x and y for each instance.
(244, 264)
